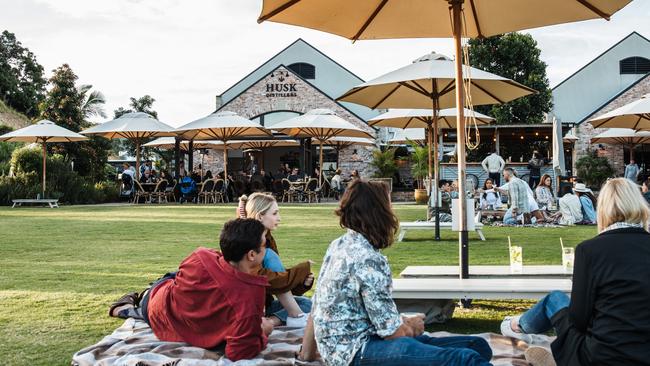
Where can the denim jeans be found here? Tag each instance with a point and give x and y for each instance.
(538, 319)
(140, 312)
(424, 350)
(272, 261)
(304, 303)
(510, 219)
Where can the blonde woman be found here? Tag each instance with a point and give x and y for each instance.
(285, 282)
(607, 319)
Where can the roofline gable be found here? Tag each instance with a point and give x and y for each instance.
(599, 56)
(612, 99)
(282, 51)
(306, 81)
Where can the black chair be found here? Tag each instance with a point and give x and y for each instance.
(218, 192)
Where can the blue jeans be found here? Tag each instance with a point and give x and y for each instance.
(538, 319)
(272, 261)
(424, 350)
(510, 219)
(304, 303)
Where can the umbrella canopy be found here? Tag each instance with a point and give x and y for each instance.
(569, 137)
(43, 132)
(341, 142)
(170, 143)
(322, 125)
(135, 126)
(404, 136)
(419, 118)
(223, 126)
(635, 115)
(262, 144)
(622, 136)
(373, 19)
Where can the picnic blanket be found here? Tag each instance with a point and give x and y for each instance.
(134, 344)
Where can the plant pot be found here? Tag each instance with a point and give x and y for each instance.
(421, 196)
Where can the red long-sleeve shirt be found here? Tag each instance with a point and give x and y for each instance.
(208, 303)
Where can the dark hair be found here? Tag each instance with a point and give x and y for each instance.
(365, 208)
(588, 195)
(442, 182)
(240, 236)
(485, 187)
(543, 179)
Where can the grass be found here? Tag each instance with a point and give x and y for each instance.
(61, 268)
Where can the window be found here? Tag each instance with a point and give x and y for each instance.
(305, 70)
(635, 65)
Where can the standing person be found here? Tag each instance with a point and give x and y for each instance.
(287, 309)
(587, 203)
(535, 164)
(518, 195)
(355, 320)
(493, 164)
(214, 298)
(606, 321)
(544, 193)
(632, 171)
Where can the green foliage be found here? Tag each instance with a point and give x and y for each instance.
(27, 159)
(420, 163)
(22, 83)
(69, 106)
(514, 56)
(384, 163)
(6, 148)
(594, 170)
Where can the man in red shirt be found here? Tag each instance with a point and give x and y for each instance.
(215, 297)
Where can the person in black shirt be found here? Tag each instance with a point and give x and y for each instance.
(607, 319)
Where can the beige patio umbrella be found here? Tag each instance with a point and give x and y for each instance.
(341, 142)
(43, 132)
(135, 126)
(322, 125)
(223, 126)
(406, 136)
(622, 136)
(388, 19)
(634, 115)
(569, 138)
(167, 143)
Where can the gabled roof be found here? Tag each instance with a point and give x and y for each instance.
(614, 98)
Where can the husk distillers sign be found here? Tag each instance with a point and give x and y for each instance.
(282, 88)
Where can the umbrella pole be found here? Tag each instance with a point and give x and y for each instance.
(225, 164)
(44, 166)
(320, 163)
(137, 159)
(463, 239)
(430, 160)
(436, 172)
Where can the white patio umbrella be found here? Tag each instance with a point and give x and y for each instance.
(341, 142)
(135, 126)
(405, 136)
(167, 143)
(569, 138)
(322, 125)
(634, 115)
(223, 126)
(43, 132)
(622, 136)
(388, 19)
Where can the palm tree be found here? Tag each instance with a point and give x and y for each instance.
(92, 102)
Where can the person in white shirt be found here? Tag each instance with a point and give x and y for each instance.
(493, 164)
(490, 199)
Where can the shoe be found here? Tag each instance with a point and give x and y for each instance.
(506, 330)
(297, 322)
(539, 356)
(132, 298)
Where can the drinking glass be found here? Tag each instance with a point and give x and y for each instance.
(516, 259)
(568, 255)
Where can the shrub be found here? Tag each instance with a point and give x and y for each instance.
(420, 166)
(27, 159)
(384, 163)
(594, 170)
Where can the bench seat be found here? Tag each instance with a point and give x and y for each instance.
(430, 225)
(53, 203)
(477, 288)
(485, 272)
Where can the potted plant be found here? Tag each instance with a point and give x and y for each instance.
(420, 171)
(385, 166)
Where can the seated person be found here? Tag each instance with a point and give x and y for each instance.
(587, 203)
(646, 190)
(606, 320)
(214, 298)
(337, 182)
(490, 199)
(444, 211)
(570, 210)
(146, 177)
(544, 193)
(294, 177)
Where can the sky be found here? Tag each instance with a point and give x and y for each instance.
(184, 53)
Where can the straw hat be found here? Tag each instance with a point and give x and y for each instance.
(581, 187)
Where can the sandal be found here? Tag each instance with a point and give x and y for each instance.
(132, 298)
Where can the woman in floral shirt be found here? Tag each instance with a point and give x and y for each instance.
(355, 320)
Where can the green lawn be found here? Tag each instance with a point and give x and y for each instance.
(61, 268)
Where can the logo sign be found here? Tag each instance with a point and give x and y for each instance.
(281, 88)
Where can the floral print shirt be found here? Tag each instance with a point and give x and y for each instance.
(353, 299)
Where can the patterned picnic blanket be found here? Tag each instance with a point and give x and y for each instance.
(134, 344)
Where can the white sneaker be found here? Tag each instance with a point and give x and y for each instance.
(297, 322)
(506, 330)
(539, 356)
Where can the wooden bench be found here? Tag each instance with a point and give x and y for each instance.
(485, 272)
(54, 203)
(478, 288)
(430, 225)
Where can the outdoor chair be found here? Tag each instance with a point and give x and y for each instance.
(287, 191)
(257, 186)
(311, 190)
(170, 192)
(218, 191)
(160, 192)
(140, 193)
(277, 189)
(239, 187)
(206, 191)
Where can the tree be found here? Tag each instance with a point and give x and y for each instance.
(514, 56)
(594, 169)
(142, 104)
(384, 163)
(69, 106)
(93, 102)
(22, 84)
